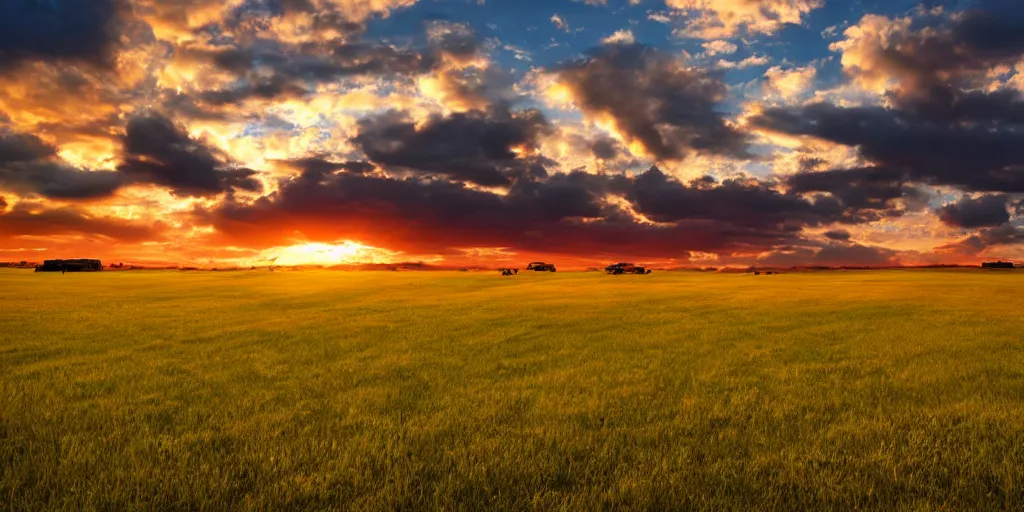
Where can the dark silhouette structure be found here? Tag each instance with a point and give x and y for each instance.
(998, 264)
(626, 268)
(76, 265)
(540, 266)
(509, 271)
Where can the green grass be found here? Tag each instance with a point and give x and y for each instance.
(894, 390)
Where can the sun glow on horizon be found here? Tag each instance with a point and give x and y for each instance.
(346, 252)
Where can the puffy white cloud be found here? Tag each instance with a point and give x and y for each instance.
(716, 19)
(719, 47)
(620, 36)
(753, 60)
(789, 83)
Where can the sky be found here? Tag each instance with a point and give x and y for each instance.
(684, 133)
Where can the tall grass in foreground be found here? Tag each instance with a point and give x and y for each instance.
(408, 391)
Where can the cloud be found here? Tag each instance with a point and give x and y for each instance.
(836, 255)
(270, 70)
(749, 204)
(475, 146)
(670, 109)
(471, 88)
(56, 180)
(937, 66)
(753, 60)
(790, 83)
(624, 36)
(838, 234)
(715, 19)
(563, 213)
(560, 23)
(982, 211)
(421, 141)
(719, 47)
(278, 71)
(870, 192)
(984, 239)
(975, 158)
(659, 17)
(312, 20)
(65, 31)
(29, 166)
(161, 152)
(606, 148)
(16, 147)
(315, 166)
(456, 41)
(359, 10)
(24, 220)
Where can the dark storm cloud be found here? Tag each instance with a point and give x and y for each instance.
(473, 146)
(29, 166)
(16, 147)
(267, 88)
(27, 221)
(865, 189)
(976, 158)
(377, 59)
(409, 214)
(57, 180)
(310, 63)
(941, 60)
(946, 104)
(295, 69)
(831, 255)
(158, 151)
(313, 168)
(837, 234)
(854, 255)
(270, 69)
(943, 125)
(984, 211)
(605, 148)
(61, 30)
(567, 213)
(562, 196)
(668, 108)
(1005, 234)
(745, 203)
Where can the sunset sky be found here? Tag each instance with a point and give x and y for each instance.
(495, 132)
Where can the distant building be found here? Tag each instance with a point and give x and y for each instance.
(998, 264)
(77, 265)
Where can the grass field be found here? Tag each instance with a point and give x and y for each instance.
(890, 390)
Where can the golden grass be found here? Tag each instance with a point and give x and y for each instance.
(894, 390)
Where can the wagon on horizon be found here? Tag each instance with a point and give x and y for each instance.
(626, 268)
(540, 266)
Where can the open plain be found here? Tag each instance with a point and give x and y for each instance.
(320, 390)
